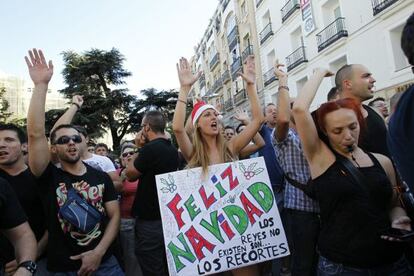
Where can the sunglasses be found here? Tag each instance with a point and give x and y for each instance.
(125, 154)
(66, 139)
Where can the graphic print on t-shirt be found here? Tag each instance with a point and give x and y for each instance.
(93, 195)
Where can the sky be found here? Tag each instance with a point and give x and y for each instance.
(152, 35)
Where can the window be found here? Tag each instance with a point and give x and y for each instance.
(400, 61)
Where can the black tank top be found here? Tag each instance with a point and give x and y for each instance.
(353, 217)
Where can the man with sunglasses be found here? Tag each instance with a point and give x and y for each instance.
(71, 251)
(99, 162)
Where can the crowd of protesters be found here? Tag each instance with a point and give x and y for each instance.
(340, 176)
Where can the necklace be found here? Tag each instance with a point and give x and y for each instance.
(354, 159)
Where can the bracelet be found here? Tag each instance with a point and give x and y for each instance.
(184, 102)
(283, 87)
(77, 105)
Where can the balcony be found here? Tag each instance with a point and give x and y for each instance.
(226, 76)
(240, 97)
(225, 4)
(380, 5)
(331, 33)
(232, 38)
(217, 85)
(247, 52)
(214, 61)
(269, 77)
(258, 2)
(296, 58)
(236, 67)
(266, 33)
(202, 81)
(289, 8)
(228, 105)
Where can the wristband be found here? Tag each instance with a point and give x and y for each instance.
(29, 265)
(283, 87)
(184, 102)
(77, 105)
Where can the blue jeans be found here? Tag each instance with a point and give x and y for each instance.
(108, 268)
(399, 268)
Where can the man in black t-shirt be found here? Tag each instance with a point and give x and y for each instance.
(13, 143)
(356, 81)
(158, 156)
(70, 250)
(14, 226)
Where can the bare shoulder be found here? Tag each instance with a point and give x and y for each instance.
(385, 163)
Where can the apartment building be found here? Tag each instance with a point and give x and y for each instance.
(19, 92)
(306, 34)
(230, 37)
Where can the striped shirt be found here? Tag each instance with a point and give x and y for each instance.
(289, 153)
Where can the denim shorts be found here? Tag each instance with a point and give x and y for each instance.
(399, 268)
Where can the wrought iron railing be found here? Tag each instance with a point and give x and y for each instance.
(240, 97)
(289, 8)
(247, 52)
(226, 76)
(232, 38)
(266, 33)
(214, 61)
(236, 67)
(217, 85)
(331, 33)
(228, 104)
(296, 58)
(380, 5)
(269, 77)
(225, 4)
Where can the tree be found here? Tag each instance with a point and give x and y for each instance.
(4, 106)
(96, 75)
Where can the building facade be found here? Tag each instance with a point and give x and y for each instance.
(19, 92)
(302, 34)
(307, 34)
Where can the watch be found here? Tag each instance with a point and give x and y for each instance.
(29, 265)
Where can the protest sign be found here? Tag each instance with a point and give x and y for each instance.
(224, 220)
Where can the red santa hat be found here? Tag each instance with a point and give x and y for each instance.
(199, 108)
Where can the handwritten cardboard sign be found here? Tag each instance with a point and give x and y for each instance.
(225, 220)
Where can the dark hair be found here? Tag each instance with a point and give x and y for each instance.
(238, 127)
(155, 119)
(81, 130)
(329, 107)
(269, 104)
(342, 74)
(394, 100)
(102, 145)
(379, 99)
(407, 39)
(228, 127)
(53, 133)
(332, 93)
(20, 133)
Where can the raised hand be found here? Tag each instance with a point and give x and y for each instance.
(242, 116)
(78, 100)
(324, 72)
(40, 71)
(280, 74)
(186, 77)
(249, 70)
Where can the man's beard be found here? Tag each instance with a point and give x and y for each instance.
(66, 159)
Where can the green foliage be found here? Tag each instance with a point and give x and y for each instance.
(4, 106)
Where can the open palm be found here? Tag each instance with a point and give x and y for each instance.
(40, 71)
(185, 75)
(249, 70)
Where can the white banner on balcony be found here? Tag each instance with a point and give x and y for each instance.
(307, 17)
